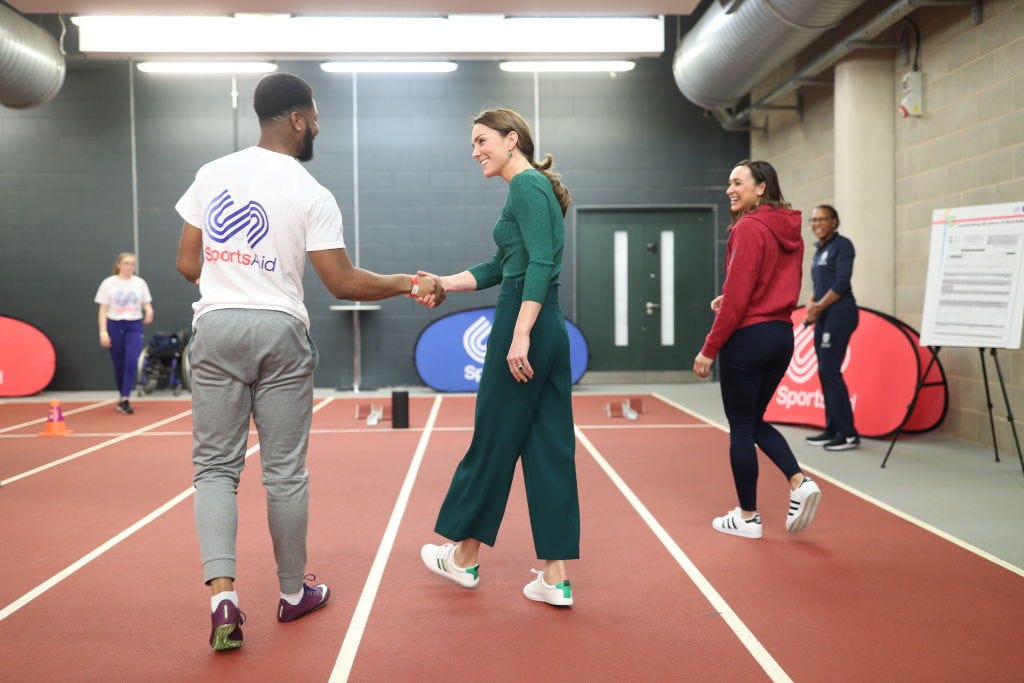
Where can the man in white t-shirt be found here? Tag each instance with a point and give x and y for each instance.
(250, 219)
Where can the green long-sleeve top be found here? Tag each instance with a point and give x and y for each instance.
(530, 235)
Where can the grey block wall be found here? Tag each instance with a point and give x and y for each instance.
(66, 187)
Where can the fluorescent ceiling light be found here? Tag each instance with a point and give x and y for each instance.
(464, 35)
(567, 66)
(207, 67)
(388, 67)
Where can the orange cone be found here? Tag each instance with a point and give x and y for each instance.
(55, 425)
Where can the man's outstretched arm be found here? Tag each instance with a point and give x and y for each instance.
(346, 281)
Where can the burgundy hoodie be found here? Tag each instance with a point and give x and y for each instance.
(764, 265)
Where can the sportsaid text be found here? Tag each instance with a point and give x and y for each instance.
(814, 399)
(241, 258)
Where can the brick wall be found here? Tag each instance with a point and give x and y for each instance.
(967, 149)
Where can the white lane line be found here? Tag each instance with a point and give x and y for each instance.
(692, 413)
(630, 425)
(92, 449)
(874, 501)
(745, 636)
(99, 550)
(357, 626)
(93, 435)
(917, 522)
(89, 557)
(252, 432)
(100, 404)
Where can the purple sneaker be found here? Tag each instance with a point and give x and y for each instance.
(312, 600)
(227, 626)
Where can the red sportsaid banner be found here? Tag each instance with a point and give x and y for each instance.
(883, 365)
(27, 358)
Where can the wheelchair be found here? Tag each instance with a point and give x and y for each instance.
(163, 364)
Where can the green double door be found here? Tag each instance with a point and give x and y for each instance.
(645, 279)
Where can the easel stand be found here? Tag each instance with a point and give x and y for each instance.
(1006, 401)
(913, 401)
(988, 400)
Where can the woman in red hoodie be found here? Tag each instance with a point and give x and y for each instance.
(753, 336)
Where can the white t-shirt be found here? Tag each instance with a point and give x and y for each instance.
(260, 212)
(124, 297)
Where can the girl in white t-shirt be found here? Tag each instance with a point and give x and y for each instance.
(125, 305)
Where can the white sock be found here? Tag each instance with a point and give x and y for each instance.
(292, 598)
(220, 597)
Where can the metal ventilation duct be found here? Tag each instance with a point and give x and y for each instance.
(736, 45)
(31, 63)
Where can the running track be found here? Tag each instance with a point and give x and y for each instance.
(100, 576)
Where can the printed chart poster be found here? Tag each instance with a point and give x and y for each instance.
(975, 292)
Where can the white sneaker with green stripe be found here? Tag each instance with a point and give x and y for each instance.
(560, 594)
(440, 559)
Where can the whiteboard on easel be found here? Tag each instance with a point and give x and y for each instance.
(975, 291)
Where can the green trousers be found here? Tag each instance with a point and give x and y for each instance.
(532, 420)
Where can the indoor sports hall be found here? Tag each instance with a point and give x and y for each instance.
(905, 117)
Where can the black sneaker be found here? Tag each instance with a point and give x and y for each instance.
(124, 408)
(843, 443)
(821, 439)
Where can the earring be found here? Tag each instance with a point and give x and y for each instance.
(510, 154)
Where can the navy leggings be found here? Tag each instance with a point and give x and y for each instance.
(125, 347)
(751, 365)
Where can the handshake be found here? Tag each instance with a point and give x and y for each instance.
(428, 289)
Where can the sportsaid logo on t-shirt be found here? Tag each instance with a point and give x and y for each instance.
(124, 301)
(223, 221)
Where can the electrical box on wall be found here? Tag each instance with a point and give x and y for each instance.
(910, 86)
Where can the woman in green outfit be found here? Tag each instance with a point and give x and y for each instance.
(524, 406)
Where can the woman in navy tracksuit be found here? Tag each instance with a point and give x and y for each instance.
(833, 312)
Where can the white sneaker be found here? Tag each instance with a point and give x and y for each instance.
(440, 559)
(803, 503)
(559, 594)
(733, 523)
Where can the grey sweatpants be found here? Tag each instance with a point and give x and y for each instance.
(259, 363)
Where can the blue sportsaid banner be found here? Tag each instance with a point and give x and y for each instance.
(450, 351)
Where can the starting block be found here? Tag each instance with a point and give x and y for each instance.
(378, 414)
(375, 414)
(623, 409)
(636, 403)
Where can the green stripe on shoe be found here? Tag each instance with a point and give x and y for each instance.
(566, 588)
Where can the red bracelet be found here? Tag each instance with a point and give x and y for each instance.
(415, 287)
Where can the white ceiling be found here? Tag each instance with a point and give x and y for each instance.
(434, 7)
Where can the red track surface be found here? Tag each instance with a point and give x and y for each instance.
(863, 594)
